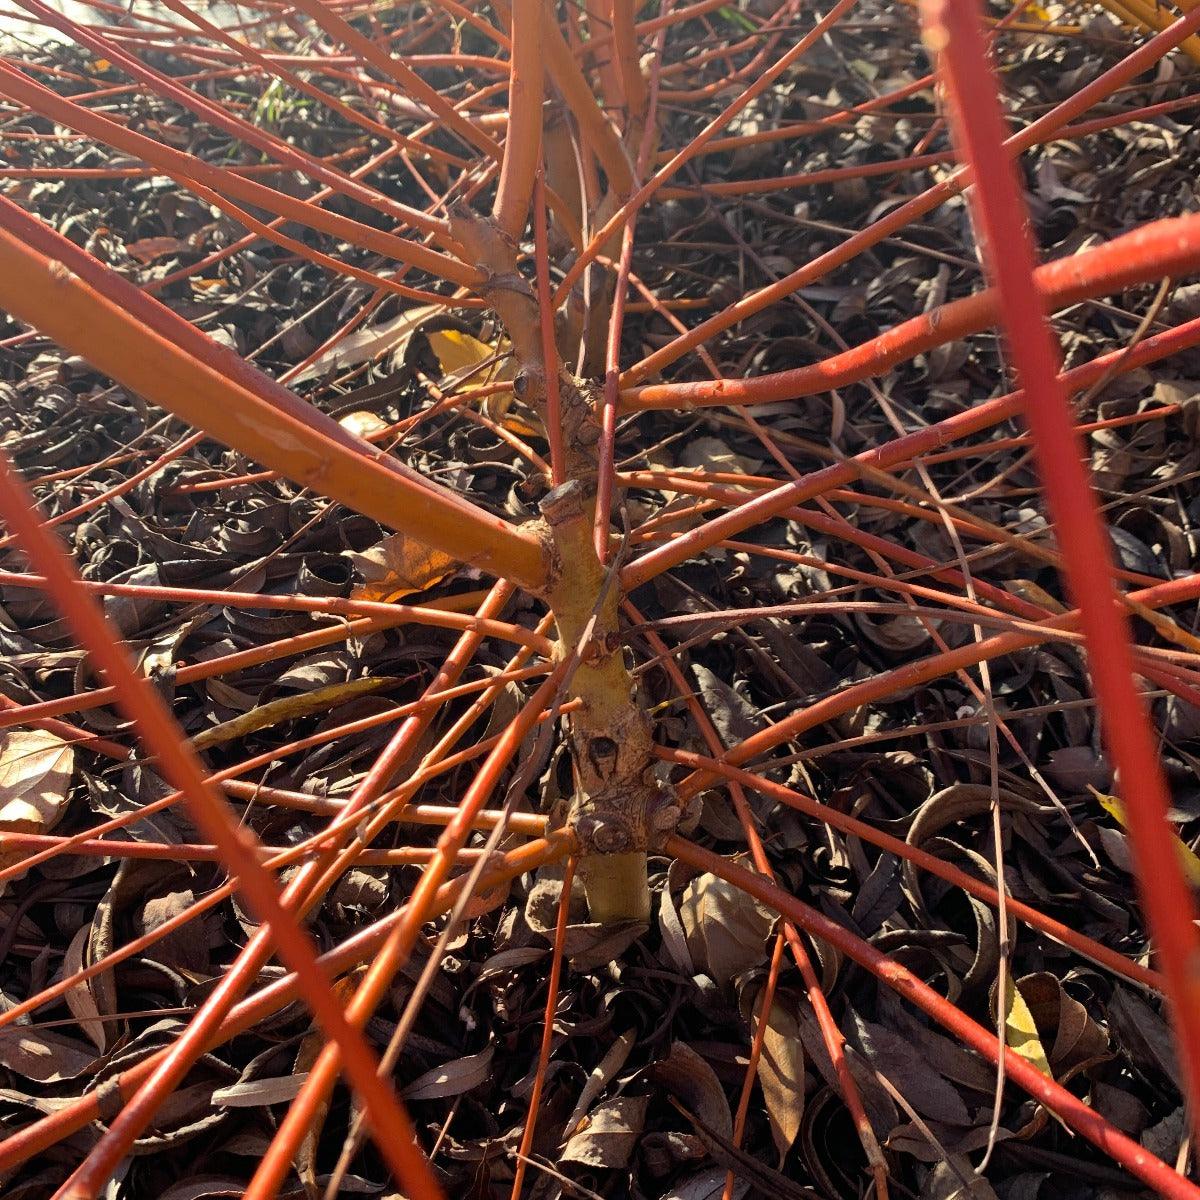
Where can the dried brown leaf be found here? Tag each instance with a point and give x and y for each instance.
(608, 1136)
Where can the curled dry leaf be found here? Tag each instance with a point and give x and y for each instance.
(603, 1073)
(82, 998)
(690, 1079)
(608, 1136)
(1073, 1039)
(399, 566)
(288, 708)
(35, 777)
(726, 929)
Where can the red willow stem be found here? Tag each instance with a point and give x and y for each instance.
(600, 237)
(1132, 65)
(19, 1147)
(539, 1079)
(192, 172)
(273, 66)
(913, 674)
(523, 142)
(255, 792)
(442, 614)
(104, 319)
(830, 1033)
(240, 849)
(541, 254)
(398, 947)
(914, 162)
(305, 888)
(1163, 248)
(120, 489)
(718, 768)
(606, 450)
(893, 453)
(391, 67)
(951, 28)
(235, 126)
(1156, 1174)
(201, 852)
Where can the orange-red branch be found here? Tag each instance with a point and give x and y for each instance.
(1162, 1179)
(952, 29)
(47, 294)
(523, 143)
(1170, 247)
(893, 453)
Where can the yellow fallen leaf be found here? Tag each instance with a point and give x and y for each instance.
(288, 708)
(399, 566)
(522, 428)
(1028, 590)
(1165, 626)
(35, 775)
(1020, 1031)
(363, 424)
(459, 353)
(1188, 859)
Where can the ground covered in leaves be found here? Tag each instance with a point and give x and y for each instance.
(652, 1032)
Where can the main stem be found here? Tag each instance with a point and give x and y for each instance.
(619, 809)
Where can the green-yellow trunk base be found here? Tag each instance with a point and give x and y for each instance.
(616, 887)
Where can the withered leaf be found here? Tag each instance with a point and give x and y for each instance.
(608, 1136)
(781, 1074)
(726, 929)
(956, 1181)
(204, 1187)
(288, 708)
(81, 998)
(894, 1057)
(1144, 1036)
(707, 1185)
(399, 566)
(253, 1093)
(148, 249)
(735, 718)
(44, 1055)
(452, 1078)
(687, 1076)
(35, 777)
